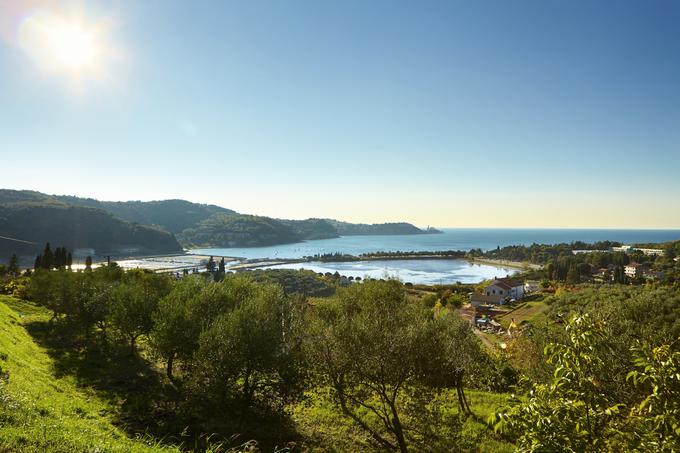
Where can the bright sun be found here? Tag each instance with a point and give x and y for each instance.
(63, 44)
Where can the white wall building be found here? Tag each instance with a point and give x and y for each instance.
(505, 287)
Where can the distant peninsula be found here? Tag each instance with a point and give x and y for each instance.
(29, 219)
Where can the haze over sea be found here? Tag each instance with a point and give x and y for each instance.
(433, 271)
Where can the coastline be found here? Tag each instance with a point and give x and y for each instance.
(504, 263)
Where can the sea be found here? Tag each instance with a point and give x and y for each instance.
(433, 271)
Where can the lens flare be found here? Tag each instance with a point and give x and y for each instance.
(63, 44)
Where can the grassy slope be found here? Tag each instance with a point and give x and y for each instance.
(40, 412)
(533, 312)
(325, 429)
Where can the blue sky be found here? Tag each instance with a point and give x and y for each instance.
(479, 113)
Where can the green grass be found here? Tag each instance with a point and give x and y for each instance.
(533, 312)
(324, 428)
(42, 412)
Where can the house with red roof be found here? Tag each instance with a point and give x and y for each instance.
(505, 288)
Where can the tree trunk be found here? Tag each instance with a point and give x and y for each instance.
(168, 370)
(398, 429)
(358, 421)
(133, 342)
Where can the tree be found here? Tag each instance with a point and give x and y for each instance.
(571, 412)
(69, 260)
(37, 264)
(657, 370)
(175, 331)
(211, 265)
(222, 266)
(253, 351)
(573, 275)
(13, 267)
(47, 257)
(88, 263)
(375, 349)
(619, 275)
(58, 258)
(134, 302)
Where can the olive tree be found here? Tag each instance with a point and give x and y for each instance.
(379, 352)
(192, 307)
(251, 352)
(133, 303)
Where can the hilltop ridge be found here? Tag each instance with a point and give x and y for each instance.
(160, 226)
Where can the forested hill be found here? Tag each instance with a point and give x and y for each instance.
(356, 229)
(194, 224)
(76, 227)
(171, 215)
(222, 230)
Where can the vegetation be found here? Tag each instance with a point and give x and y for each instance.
(136, 227)
(312, 228)
(353, 229)
(588, 404)
(240, 358)
(222, 230)
(283, 357)
(302, 282)
(76, 227)
(43, 411)
(374, 350)
(171, 215)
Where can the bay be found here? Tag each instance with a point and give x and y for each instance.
(450, 239)
(425, 271)
(432, 271)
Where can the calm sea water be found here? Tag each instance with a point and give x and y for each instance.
(451, 239)
(433, 271)
(429, 272)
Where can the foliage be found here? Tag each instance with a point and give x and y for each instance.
(658, 414)
(312, 228)
(571, 412)
(373, 349)
(581, 408)
(632, 312)
(302, 282)
(76, 227)
(351, 229)
(171, 215)
(222, 230)
(134, 303)
(253, 351)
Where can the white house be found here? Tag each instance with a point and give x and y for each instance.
(505, 287)
(633, 270)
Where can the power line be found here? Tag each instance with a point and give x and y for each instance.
(17, 240)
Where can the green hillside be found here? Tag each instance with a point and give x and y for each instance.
(147, 227)
(171, 215)
(222, 230)
(312, 228)
(41, 412)
(356, 229)
(76, 227)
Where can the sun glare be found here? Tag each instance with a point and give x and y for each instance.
(63, 44)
